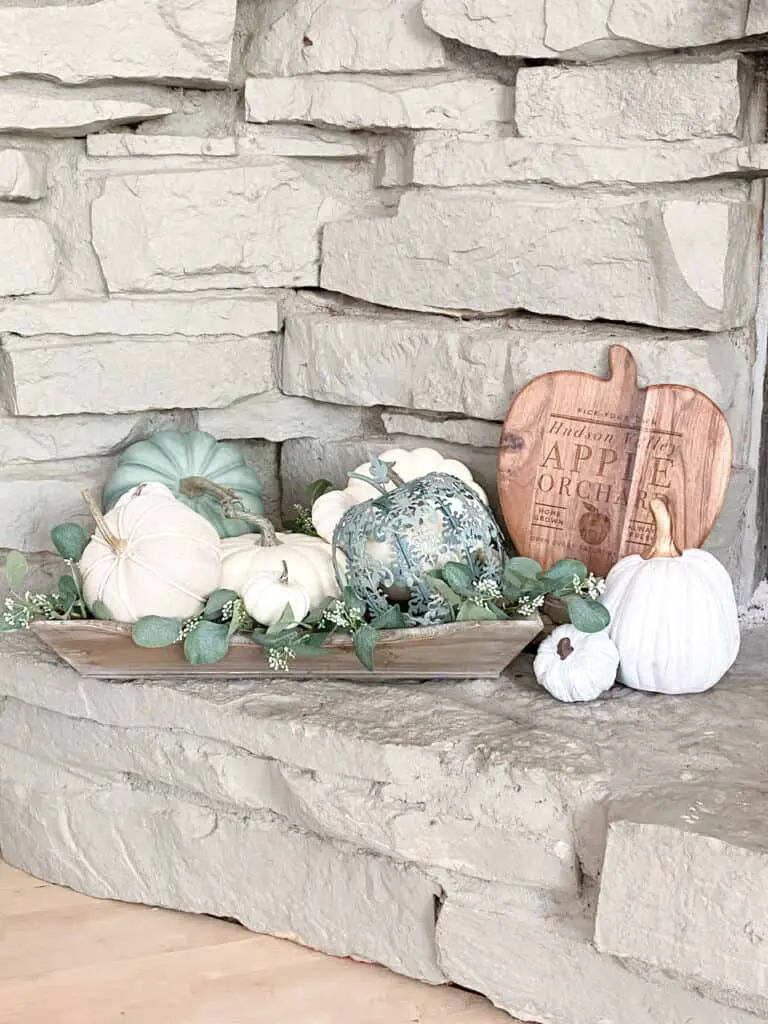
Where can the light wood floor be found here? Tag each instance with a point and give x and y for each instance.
(68, 959)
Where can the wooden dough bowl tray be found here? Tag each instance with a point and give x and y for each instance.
(458, 650)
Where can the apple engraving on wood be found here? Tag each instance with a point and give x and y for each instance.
(581, 457)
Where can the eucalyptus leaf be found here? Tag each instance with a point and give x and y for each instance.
(68, 589)
(282, 638)
(311, 646)
(527, 585)
(458, 577)
(439, 585)
(16, 568)
(512, 588)
(316, 615)
(286, 620)
(70, 540)
(354, 605)
(471, 612)
(364, 642)
(392, 618)
(315, 490)
(238, 618)
(100, 611)
(564, 571)
(216, 602)
(528, 568)
(316, 640)
(587, 615)
(207, 643)
(156, 631)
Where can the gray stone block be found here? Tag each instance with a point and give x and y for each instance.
(612, 258)
(654, 100)
(544, 968)
(682, 892)
(409, 823)
(474, 368)
(144, 844)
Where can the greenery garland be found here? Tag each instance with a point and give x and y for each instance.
(206, 637)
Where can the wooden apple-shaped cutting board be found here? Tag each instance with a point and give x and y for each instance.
(581, 457)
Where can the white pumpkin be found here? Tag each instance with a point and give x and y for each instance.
(268, 594)
(309, 561)
(673, 616)
(151, 555)
(409, 465)
(576, 666)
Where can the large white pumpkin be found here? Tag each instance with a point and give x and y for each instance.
(576, 666)
(151, 555)
(408, 465)
(673, 616)
(308, 559)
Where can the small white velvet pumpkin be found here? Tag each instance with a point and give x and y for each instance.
(408, 465)
(309, 561)
(673, 616)
(268, 594)
(151, 555)
(576, 666)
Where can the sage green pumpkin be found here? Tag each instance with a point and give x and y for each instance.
(170, 457)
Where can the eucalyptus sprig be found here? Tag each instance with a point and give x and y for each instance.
(302, 511)
(524, 589)
(66, 602)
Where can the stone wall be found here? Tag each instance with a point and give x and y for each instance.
(318, 227)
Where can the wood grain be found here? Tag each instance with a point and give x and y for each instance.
(457, 650)
(114, 963)
(581, 457)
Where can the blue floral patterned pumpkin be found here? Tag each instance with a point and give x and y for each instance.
(391, 542)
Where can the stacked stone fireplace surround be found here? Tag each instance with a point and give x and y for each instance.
(320, 228)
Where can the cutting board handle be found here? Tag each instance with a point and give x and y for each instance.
(623, 368)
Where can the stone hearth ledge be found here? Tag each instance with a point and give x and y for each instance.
(453, 832)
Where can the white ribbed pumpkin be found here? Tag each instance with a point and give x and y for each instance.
(267, 594)
(151, 555)
(408, 465)
(308, 560)
(576, 666)
(673, 616)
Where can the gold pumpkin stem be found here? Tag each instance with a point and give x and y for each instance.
(231, 505)
(663, 546)
(116, 543)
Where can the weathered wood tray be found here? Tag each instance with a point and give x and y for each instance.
(458, 651)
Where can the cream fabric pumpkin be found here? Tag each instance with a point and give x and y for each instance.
(267, 594)
(673, 616)
(576, 666)
(408, 465)
(151, 555)
(308, 559)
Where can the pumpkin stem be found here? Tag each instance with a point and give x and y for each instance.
(564, 648)
(663, 546)
(116, 543)
(284, 573)
(382, 473)
(231, 505)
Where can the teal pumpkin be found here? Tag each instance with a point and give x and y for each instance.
(170, 457)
